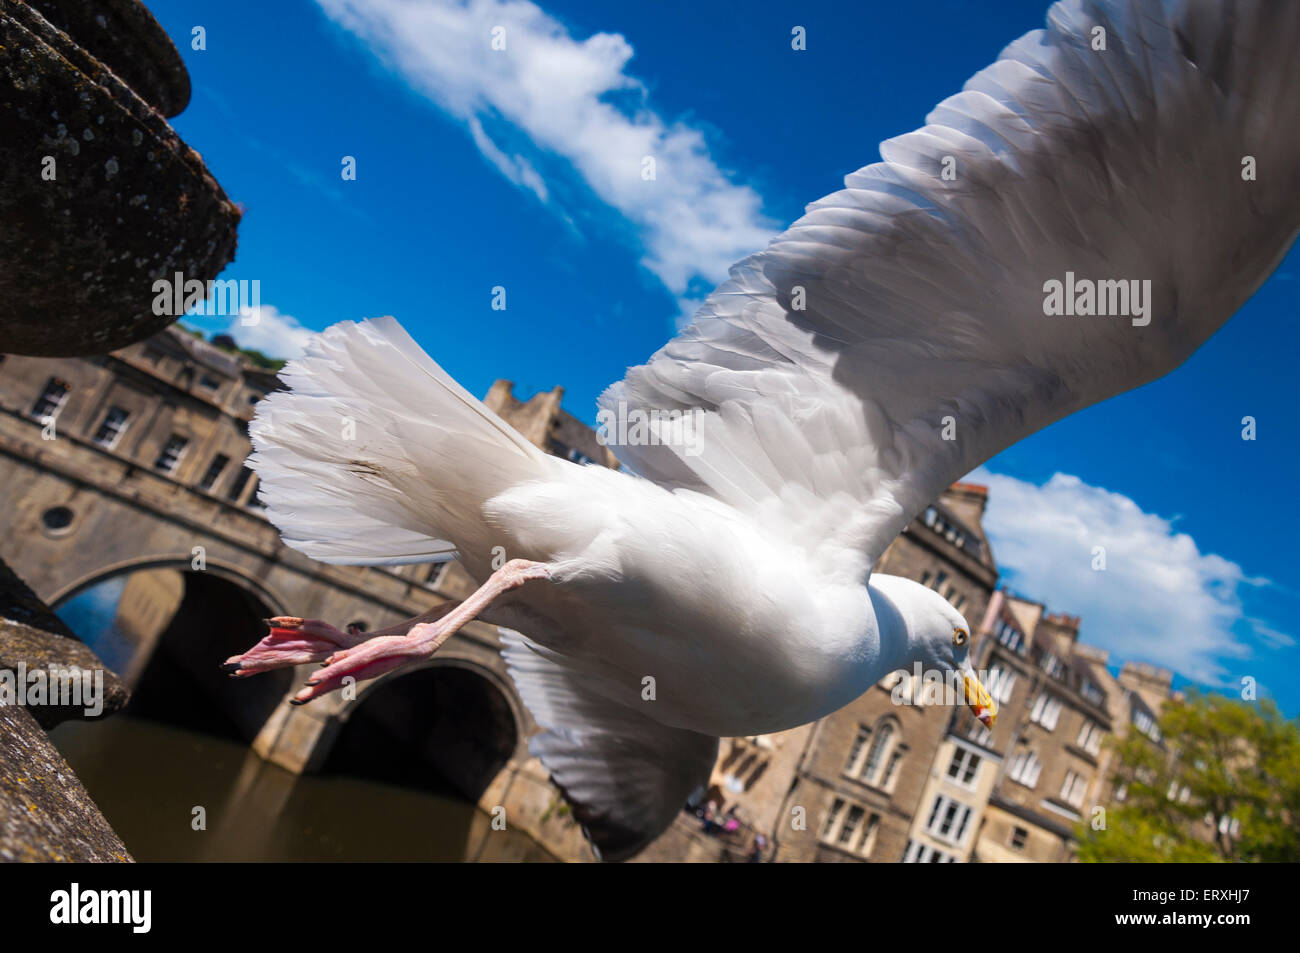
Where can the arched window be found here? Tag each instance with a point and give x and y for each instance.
(876, 755)
(891, 766)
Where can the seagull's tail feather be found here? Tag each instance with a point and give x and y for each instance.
(375, 456)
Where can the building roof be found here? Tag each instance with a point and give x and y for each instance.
(198, 350)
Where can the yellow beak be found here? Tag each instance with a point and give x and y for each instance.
(980, 701)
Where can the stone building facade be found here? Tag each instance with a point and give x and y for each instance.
(1054, 701)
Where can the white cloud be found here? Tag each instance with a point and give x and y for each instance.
(515, 168)
(1270, 635)
(1159, 599)
(263, 328)
(560, 94)
(268, 330)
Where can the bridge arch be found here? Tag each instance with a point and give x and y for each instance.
(181, 562)
(166, 628)
(452, 723)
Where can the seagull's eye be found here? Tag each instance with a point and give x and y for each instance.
(959, 636)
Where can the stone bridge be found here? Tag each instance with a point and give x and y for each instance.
(108, 465)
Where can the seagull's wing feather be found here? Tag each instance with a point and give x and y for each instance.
(894, 338)
(625, 775)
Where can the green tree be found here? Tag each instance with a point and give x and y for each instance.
(261, 360)
(1216, 757)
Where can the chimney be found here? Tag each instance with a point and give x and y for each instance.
(992, 613)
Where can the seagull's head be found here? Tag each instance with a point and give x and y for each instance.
(942, 638)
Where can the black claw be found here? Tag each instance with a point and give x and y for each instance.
(230, 668)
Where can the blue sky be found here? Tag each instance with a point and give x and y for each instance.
(469, 177)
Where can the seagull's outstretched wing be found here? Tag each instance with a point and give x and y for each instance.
(895, 337)
(625, 775)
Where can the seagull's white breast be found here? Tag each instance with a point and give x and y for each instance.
(678, 605)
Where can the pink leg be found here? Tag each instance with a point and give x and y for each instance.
(294, 641)
(384, 653)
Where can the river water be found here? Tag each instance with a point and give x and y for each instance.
(150, 778)
(155, 781)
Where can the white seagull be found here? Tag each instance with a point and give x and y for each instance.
(1074, 223)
